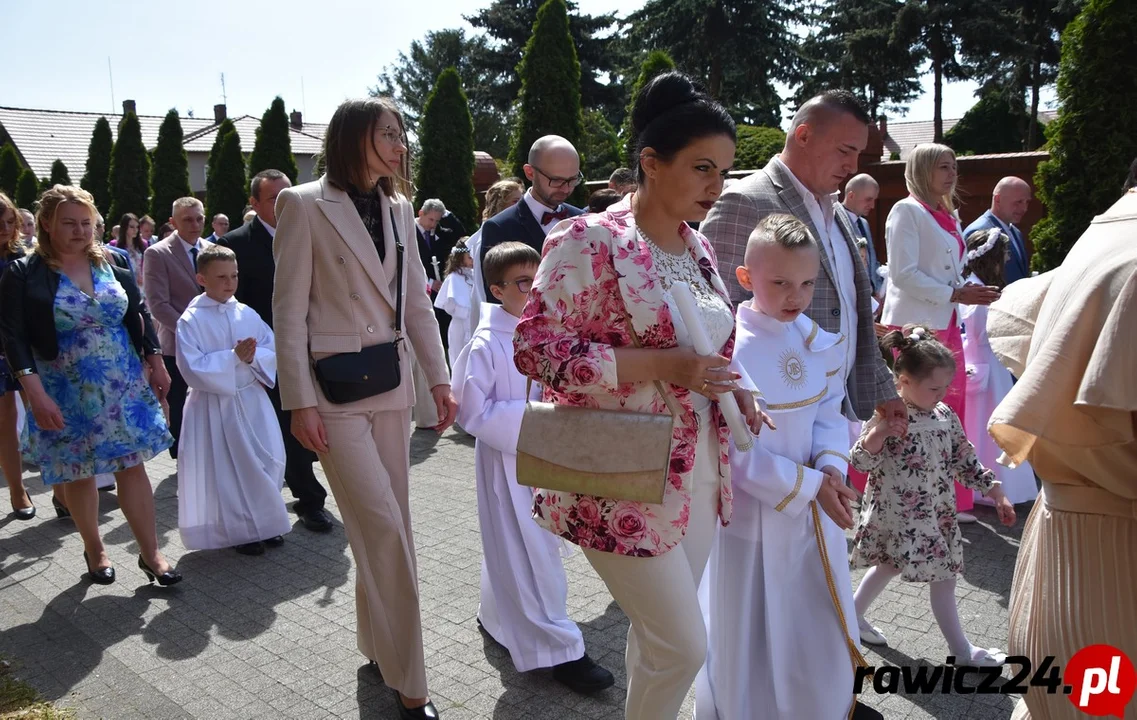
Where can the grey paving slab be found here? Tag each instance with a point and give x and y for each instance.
(273, 636)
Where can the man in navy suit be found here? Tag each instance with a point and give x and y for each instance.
(554, 171)
(861, 193)
(1009, 204)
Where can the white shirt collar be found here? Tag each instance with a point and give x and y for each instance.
(189, 246)
(270, 228)
(1006, 226)
(536, 206)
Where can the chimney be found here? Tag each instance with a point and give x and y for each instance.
(296, 120)
(883, 126)
(128, 107)
(219, 113)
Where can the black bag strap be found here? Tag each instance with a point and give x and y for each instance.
(398, 278)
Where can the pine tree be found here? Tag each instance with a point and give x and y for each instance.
(273, 147)
(27, 189)
(549, 101)
(992, 125)
(446, 165)
(9, 170)
(756, 145)
(1092, 141)
(656, 63)
(600, 148)
(59, 174)
(130, 171)
(45, 184)
(96, 179)
(225, 188)
(169, 175)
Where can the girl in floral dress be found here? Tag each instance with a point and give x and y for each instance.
(908, 524)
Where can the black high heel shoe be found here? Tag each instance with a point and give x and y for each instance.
(102, 576)
(25, 513)
(60, 509)
(424, 712)
(170, 577)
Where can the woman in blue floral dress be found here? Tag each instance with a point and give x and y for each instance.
(75, 332)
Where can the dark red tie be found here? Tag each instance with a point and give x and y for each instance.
(551, 216)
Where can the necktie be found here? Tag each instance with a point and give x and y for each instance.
(560, 214)
(862, 228)
(193, 257)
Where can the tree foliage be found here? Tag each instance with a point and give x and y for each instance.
(549, 100)
(600, 147)
(509, 25)
(756, 145)
(738, 48)
(10, 168)
(130, 170)
(272, 149)
(97, 175)
(27, 189)
(992, 125)
(226, 185)
(446, 164)
(852, 46)
(656, 63)
(59, 174)
(411, 79)
(169, 175)
(1092, 140)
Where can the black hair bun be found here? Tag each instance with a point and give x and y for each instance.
(661, 95)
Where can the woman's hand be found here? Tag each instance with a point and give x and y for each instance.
(755, 418)
(159, 377)
(308, 428)
(447, 406)
(707, 375)
(972, 294)
(46, 412)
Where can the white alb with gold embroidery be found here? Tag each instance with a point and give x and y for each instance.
(776, 646)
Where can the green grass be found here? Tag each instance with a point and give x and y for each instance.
(20, 701)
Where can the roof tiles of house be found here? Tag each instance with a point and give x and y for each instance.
(42, 136)
(903, 136)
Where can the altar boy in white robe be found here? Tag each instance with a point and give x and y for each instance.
(524, 591)
(232, 469)
(778, 641)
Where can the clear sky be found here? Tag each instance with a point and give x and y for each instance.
(313, 53)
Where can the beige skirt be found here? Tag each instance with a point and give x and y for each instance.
(1075, 585)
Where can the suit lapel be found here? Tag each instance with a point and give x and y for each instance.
(640, 287)
(794, 203)
(341, 213)
(532, 227)
(181, 257)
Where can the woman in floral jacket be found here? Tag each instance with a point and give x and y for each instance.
(598, 272)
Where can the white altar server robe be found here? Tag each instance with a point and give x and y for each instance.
(776, 650)
(523, 588)
(232, 468)
(454, 298)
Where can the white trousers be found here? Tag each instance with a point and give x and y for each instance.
(667, 640)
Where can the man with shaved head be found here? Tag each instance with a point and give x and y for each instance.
(826, 137)
(1009, 203)
(554, 171)
(861, 193)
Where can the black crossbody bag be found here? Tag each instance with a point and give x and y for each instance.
(374, 370)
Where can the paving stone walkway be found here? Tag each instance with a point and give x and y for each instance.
(274, 636)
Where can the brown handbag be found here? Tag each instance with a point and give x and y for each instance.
(612, 454)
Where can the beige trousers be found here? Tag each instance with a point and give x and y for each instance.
(667, 640)
(368, 466)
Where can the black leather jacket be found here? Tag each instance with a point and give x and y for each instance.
(27, 312)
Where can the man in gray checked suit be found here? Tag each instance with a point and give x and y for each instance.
(825, 139)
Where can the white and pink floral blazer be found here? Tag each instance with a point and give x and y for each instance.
(593, 267)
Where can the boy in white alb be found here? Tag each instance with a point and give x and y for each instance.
(778, 645)
(232, 468)
(524, 590)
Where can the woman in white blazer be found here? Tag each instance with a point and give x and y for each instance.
(925, 265)
(337, 290)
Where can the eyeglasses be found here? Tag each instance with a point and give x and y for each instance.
(524, 284)
(557, 183)
(393, 137)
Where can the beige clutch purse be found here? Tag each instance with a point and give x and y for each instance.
(611, 454)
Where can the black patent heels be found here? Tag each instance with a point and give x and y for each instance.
(170, 577)
(61, 510)
(25, 513)
(100, 576)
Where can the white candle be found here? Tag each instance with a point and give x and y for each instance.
(437, 274)
(685, 301)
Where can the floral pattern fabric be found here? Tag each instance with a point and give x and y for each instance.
(595, 269)
(908, 515)
(111, 418)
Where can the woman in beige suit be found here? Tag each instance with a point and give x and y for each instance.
(336, 250)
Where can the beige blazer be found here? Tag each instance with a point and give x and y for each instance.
(170, 283)
(332, 295)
